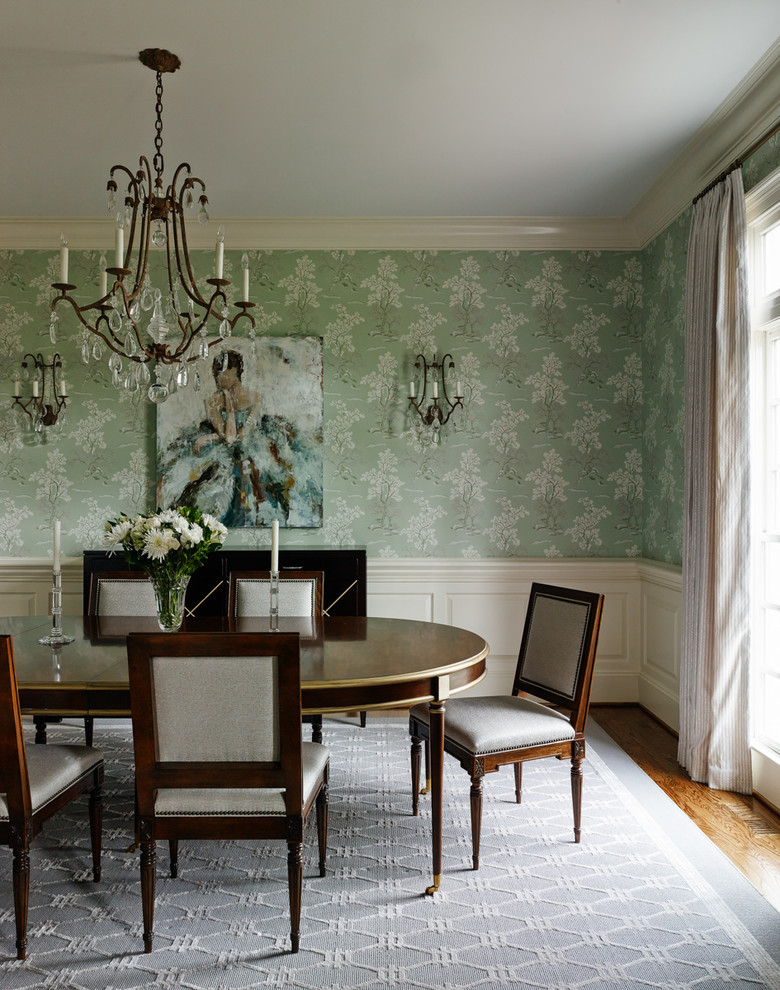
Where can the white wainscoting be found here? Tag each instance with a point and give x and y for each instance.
(638, 655)
(639, 647)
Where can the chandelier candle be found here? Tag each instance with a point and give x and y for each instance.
(63, 259)
(218, 269)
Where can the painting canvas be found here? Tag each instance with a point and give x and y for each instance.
(247, 446)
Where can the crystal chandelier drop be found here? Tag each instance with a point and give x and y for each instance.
(142, 325)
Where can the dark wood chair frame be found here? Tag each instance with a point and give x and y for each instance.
(23, 823)
(152, 774)
(576, 706)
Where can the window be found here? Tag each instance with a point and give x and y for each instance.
(763, 207)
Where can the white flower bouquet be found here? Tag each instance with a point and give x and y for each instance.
(170, 546)
(172, 542)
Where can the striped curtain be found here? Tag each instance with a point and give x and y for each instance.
(714, 743)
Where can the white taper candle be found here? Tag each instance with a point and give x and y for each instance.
(275, 545)
(119, 253)
(63, 260)
(57, 563)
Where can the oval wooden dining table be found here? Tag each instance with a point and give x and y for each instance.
(348, 663)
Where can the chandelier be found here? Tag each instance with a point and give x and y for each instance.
(166, 327)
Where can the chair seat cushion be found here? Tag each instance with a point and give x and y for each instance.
(173, 801)
(52, 769)
(497, 724)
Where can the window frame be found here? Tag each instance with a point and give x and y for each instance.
(763, 216)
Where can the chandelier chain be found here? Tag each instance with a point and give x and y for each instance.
(158, 161)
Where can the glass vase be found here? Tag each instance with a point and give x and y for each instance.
(169, 595)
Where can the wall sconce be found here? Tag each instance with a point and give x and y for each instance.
(49, 395)
(436, 413)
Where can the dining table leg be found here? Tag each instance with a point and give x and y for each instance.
(436, 747)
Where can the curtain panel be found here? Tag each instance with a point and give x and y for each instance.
(714, 743)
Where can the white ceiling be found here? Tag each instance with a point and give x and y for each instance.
(369, 108)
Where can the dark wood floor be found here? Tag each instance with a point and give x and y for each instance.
(745, 829)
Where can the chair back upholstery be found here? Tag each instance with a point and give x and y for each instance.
(14, 781)
(121, 593)
(300, 593)
(216, 711)
(558, 648)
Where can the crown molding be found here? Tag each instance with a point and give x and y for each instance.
(347, 233)
(749, 111)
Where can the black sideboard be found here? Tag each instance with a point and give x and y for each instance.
(207, 594)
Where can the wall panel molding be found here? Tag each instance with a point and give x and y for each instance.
(638, 658)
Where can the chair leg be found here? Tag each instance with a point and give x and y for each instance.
(476, 818)
(576, 794)
(89, 727)
(518, 782)
(363, 720)
(21, 875)
(148, 865)
(173, 851)
(416, 761)
(316, 728)
(322, 824)
(40, 729)
(295, 882)
(427, 788)
(96, 829)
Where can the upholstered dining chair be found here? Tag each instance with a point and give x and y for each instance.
(218, 749)
(300, 593)
(118, 593)
(34, 785)
(300, 596)
(555, 665)
(121, 593)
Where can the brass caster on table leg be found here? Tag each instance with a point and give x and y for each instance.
(434, 886)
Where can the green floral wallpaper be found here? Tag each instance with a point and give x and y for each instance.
(546, 458)
(570, 443)
(663, 355)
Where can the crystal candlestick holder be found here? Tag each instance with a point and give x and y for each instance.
(274, 601)
(56, 637)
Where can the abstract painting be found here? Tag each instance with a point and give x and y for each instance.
(247, 445)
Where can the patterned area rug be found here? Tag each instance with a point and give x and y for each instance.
(628, 907)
